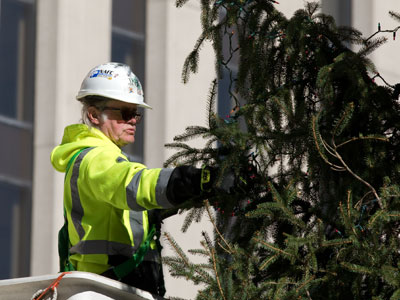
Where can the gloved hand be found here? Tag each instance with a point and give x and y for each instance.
(230, 182)
(187, 182)
(183, 184)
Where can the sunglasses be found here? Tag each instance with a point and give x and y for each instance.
(126, 113)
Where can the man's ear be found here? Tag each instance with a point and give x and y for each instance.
(93, 115)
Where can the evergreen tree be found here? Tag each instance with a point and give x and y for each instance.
(314, 144)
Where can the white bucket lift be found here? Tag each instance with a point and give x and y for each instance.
(71, 286)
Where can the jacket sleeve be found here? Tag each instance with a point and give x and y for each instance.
(108, 176)
(184, 183)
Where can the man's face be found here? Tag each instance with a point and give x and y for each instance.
(119, 125)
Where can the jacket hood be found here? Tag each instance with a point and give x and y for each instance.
(75, 138)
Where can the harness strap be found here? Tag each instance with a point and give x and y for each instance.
(63, 249)
(129, 265)
(70, 162)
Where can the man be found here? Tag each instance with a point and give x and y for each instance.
(108, 199)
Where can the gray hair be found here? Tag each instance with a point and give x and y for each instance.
(88, 101)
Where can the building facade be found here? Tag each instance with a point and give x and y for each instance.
(46, 49)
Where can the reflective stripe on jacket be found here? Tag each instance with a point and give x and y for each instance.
(106, 197)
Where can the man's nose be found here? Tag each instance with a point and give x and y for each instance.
(132, 120)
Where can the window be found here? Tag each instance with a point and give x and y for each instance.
(17, 46)
(128, 46)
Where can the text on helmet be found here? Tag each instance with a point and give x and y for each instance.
(103, 73)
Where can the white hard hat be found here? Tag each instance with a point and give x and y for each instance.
(115, 81)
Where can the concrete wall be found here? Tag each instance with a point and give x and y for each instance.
(288, 7)
(366, 14)
(171, 35)
(72, 37)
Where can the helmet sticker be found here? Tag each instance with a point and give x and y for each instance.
(134, 81)
(102, 73)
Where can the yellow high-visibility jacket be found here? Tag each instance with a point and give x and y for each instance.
(106, 197)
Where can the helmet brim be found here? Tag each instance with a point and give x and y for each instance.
(138, 102)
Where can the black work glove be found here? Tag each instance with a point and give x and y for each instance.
(229, 182)
(187, 182)
(183, 184)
